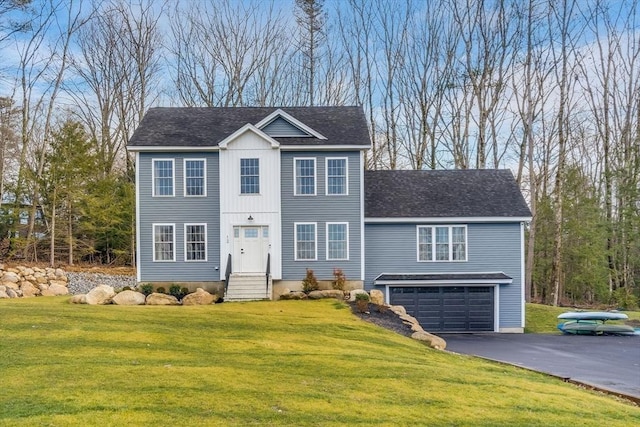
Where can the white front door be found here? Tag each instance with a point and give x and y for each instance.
(250, 248)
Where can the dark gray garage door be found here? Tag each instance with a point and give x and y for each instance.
(448, 308)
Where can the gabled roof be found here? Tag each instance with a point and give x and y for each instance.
(486, 193)
(206, 127)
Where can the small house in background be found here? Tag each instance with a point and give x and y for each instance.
(243, 201)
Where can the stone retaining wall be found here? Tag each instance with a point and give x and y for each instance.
(23, 282)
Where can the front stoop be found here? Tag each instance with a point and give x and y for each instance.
(248, 287)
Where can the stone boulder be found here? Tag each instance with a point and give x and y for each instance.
(333, 293)
(434, 341)
(10, 276)
(58, 289)
(129, 298)
(398, 309)
(78, 299)
(353, 293)
(12, 293)
(377, 297)
(315, 295)
(100, 295)
(29, 289)
(295, 295)
(11, 285)
(161, 299)
(3, 294)
(199, 297)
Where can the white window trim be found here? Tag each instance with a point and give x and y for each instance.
(259, 177)
(315, 176)
(206, 243)
(433, 242)
(346, 224)
(295, 240)
(153, 238)
(153, 177)
(204, 177)
(346, 176)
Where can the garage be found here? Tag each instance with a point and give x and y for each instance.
(446, 302)
(450, 308)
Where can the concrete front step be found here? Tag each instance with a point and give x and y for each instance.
(247, 288)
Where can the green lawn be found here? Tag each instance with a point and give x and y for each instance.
(264, 363)
(543, 319)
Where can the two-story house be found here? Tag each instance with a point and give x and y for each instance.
(243, 200)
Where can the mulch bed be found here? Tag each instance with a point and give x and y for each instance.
(386, 319)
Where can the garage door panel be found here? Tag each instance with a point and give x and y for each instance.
(451, 309)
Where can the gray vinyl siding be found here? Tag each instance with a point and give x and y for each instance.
(178, 210)
(321, 209)
(392, 248)
(281, 127)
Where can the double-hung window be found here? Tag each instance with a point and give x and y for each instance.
(194, 177)
(306, 241)
(164, 242)
(336, 170)
(442, 243)
(195, 241)
(337, 241)
(163, 177)
(249, 176)
(305, 177)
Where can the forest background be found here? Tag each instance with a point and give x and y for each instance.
(547, 88)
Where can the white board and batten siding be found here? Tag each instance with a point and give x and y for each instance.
(263, 208)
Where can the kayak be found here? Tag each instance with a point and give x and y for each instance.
(593, 315)
(594, 327)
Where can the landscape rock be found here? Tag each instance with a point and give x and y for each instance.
(398, 309)
(78, 299)
(408, 318)
(29, 289)
(57, 289)
(161, 299)
(11, 285)
(199, 297)
(10, 276)
(333, 293)
(128, 298)
(295, 295)
(377, 297)
(353, 293)
(3, 294)
(12, 293)
(100, 295)
(315, 295)
(47, 293)
(434, 341)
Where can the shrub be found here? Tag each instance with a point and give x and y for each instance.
(176, 291)
(161, 290)
(362, 297)
(126, 288)
(184, 291)
(339, 279)
(309, 283)
(146, 288)
(362, 302)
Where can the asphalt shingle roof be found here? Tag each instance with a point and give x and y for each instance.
(207, 127)
(443, 193)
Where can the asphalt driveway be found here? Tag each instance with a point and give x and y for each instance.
(607, 362)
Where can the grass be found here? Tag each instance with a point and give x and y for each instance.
(543, 319)
(264, 363)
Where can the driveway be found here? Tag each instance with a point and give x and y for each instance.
(607, 362)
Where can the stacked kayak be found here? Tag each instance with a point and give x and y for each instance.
(594, 323)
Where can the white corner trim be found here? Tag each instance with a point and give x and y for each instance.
(362, 242)
(522, 276)
(295, 122)
(137, 257)
(248, 128)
